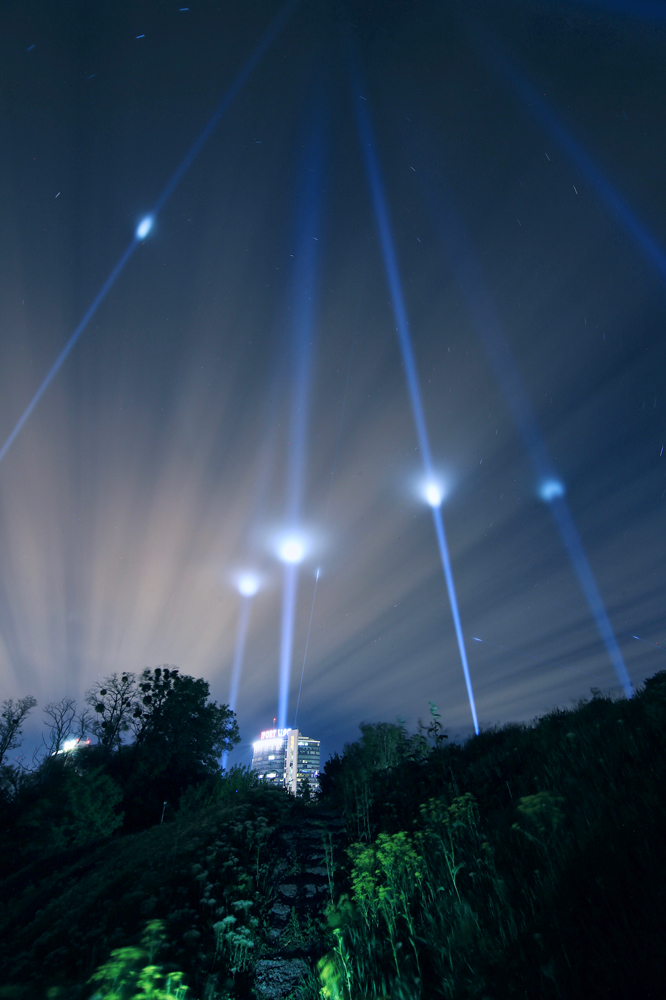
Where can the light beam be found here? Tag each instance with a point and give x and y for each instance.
(551, 489)
(248, 585)
(290, 589)
(409, 362)
(539, 659)
(292, 549)
(538, 107)
(146, 223)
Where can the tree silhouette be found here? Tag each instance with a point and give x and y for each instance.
(12, 717)
(113, 701)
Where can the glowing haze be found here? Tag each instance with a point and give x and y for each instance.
(139, 504)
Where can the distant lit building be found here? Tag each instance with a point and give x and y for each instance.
(287, 758)
(270, 756)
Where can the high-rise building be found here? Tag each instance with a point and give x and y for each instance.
(287, 758)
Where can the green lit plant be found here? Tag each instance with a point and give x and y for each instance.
(131, 974)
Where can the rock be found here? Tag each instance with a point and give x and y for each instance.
(276, 978)
(288, 890)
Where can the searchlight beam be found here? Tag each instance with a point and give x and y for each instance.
(146, 224)
(404, 337)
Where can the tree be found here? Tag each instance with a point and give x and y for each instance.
(175, 721)
(12, 717)
(62, 724)
(65, 805)
(113, 701)
(155, 686)
(179, 737)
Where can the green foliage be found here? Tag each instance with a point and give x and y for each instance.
(301, 934)
(527, 862)
(64, 914)
(309, 989)
(178, 738)
(175, 723)
(130, 974)
(68, 806)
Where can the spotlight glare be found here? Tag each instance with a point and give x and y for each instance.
(433, 493)
(144, 227)
(551, 489)
(291, 550)
(248, 584)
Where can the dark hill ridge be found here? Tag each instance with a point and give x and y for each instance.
(260, 862)
(527, 862)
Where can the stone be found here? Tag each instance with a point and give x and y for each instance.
(280, 910)
(288, 890)
(276, 978)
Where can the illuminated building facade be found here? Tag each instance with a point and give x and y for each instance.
(287, 758)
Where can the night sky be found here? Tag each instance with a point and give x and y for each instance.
(243, 376)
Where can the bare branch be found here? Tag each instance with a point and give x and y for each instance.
(12, 717)
(61, 717)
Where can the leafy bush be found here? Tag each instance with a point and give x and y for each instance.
(130, 973)
(527, 862)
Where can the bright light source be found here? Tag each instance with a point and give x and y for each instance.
(433, 494)
(248, 584)
(144, 227)
(69, 745)
(268, 744)
(432, 490)
(291, 550)
(550, 489)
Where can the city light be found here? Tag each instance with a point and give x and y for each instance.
(265, 744)
(70, 745)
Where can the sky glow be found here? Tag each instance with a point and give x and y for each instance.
(471, 275)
